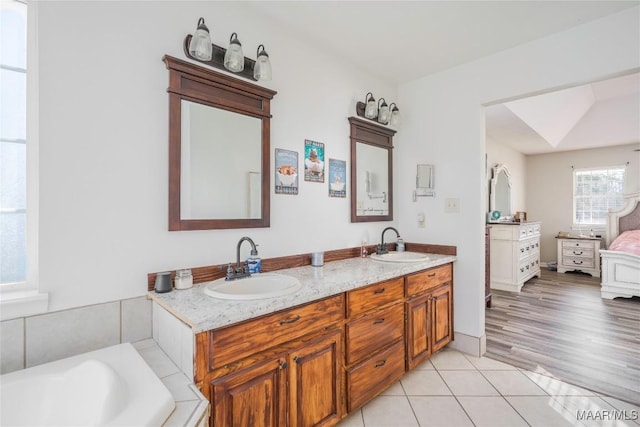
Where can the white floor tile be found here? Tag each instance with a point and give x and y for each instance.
(556, 387)
(450, 359)
(425, 366)
(513, 383)
(353, 420)
(468, 383)
(543, 411)
(424, 383)
(484, 363)
(491, 411)
(395, 390)
(439, 411)
(391, 411)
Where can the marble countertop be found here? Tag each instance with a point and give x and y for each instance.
(202, 312)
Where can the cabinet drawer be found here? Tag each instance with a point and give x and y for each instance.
(421, 282)
(577, 252)
(528, 267)
(577, 262)
(374, 331)
(584, 244)
(372, 376)
(244, 339)
(376, 295)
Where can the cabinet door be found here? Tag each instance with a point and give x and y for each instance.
(442, 317)
(315, 381)
(255, 396)
(418, 330)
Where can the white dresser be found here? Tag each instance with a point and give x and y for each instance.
(579, 253)
(515, 254)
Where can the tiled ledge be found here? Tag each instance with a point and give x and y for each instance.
(192, 408)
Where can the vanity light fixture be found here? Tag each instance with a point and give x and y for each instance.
(379, 112)
(395, 115)
(262, 68)
(383, 112)
(200, 46)
(371, 109)
(234, 57)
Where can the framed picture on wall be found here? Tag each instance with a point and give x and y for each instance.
(313, 161)
(286, 171)
(337, 178)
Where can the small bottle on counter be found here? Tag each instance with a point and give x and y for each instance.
(254, 263)
(400, 245)
(363, 249)
(184, 279)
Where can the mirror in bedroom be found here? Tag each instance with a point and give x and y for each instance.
(500, 193)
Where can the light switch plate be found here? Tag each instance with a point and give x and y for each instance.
(452, 205)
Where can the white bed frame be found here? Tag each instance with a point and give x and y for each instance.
(621, 271)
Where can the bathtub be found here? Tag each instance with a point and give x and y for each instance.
(113, 386)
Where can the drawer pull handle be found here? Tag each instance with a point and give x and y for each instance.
(431, 275)
(379, 321)
(577, 262)
(381, 363)
(577, 253)
(379, 291)
(292, 320)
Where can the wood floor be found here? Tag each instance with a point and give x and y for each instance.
(559, 326)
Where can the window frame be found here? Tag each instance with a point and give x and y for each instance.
(592, 226)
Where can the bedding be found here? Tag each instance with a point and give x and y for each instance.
(628, 242)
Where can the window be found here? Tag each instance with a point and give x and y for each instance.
(13, 166)
(595, 191)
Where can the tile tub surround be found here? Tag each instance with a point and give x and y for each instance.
(498, 395)
(42, 338)
(202, 312)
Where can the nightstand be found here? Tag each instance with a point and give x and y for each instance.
(579, 253)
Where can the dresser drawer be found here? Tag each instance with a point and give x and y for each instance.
(421, 282)
(577, 262)
(577, 252)
(577, 244)
(244, 339)
(372, 376)
(528, 267)
(374, 331)
(372, 296)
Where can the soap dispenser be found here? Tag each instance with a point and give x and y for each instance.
(254, 263)
(400, 244)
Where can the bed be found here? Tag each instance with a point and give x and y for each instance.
(621, 259)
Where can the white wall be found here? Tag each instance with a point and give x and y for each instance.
(515, 161)
(550, 186)
(443, 124)
(103, 170)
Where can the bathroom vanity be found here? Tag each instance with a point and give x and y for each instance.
(355, 327)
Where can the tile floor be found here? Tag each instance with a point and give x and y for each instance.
(454, 389)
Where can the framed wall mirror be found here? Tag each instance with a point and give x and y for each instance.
(219, 149)
(500, 193)
(371, 171)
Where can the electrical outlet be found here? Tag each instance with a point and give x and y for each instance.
(421, 220)
(452, 205)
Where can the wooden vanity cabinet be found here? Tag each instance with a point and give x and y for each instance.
(429, 310)
(374, 335)
(283, 369)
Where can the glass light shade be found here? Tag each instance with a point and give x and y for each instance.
(262, 68)
(395, 117)
(383, 114)
(234, 57)
(371, 111)
(200, 45)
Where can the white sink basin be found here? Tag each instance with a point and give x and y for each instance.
(400, 257)
(258, 286)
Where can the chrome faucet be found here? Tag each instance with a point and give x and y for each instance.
(240, 271)
(381, 248)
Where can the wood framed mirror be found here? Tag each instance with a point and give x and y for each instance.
(219, 149)
(371, 171)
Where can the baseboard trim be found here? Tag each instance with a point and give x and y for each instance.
(475, 346)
